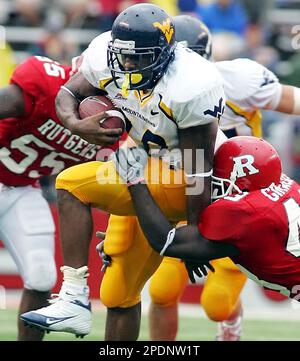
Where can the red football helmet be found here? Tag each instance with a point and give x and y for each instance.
(244, 163)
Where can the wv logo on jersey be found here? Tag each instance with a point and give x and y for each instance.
(218, 110)
(267, 78)
(166, 28)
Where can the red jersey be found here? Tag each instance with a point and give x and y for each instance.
(264, 225)
(37, 144)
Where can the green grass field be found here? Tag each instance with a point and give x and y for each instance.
(191, 328)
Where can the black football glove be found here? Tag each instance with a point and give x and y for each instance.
(199, 269)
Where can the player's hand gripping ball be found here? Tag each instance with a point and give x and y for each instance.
(98, 104)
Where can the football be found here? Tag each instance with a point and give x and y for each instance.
(97, 104)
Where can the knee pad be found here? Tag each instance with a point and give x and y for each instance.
(216, 302)
(168, 282)
(114, 292)
(222, 290)
(40, 274)
(31, 241)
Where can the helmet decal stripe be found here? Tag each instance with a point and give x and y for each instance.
(166, 28)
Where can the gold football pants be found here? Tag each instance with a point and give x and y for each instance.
(133, 260)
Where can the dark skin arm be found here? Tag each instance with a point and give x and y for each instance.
(198, 188)
(88, 128)
(188, 243)
(195, 139)
(12, 103)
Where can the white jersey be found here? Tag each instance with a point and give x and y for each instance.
(249, 87)
(181, 99)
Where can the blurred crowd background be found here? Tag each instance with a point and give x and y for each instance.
(267, 31)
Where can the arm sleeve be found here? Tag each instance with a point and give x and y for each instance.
(224, 221)
(204, 109)
(267, 92)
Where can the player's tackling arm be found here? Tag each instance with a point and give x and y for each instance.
(67, 100)
(185, 242)
(264, 89)
(197, 147)
(12, 103)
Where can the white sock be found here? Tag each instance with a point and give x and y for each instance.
(234, 322)
(75, 279)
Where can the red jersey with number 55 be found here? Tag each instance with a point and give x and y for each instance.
(264, 225)
(37, 144)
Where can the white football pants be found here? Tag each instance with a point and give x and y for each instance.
(27, 231)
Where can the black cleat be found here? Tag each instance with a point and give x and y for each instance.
(79, 336)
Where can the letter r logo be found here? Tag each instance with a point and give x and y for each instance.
(244, 162)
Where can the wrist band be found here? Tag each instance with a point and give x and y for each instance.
(136, 181)
(69, 91)
(170, 238)
(115, 113)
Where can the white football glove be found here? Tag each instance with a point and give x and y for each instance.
(130, 164)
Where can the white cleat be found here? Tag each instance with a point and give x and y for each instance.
(65, 314)
(230, 331)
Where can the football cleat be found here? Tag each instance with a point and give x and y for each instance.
(63, 315)
(230, 331)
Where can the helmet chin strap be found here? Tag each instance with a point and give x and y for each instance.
(135, 78)
(232, 186)
(125, 86)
